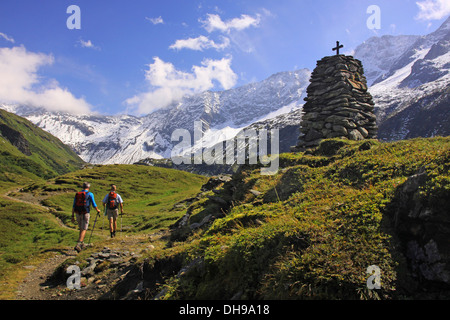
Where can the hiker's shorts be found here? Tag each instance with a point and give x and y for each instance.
(83, 221)
(112, 213)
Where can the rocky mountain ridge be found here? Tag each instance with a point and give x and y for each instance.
(408, 77)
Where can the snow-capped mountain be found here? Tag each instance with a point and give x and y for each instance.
(409, 79)
(128, 139)
(379, 54)
(412, 98)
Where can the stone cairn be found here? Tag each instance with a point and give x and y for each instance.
(338, 103)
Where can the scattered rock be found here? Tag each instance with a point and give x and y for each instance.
(218, 200)
(204, 221)
(104, 255)
(214, 182)
(423, 229)
(115, 262)
(194, 225)
(355, 135)
(101, 266)
(89, 271)
(29, 267)
(255, 193)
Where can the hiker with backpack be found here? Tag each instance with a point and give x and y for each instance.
(82, 206)
(112, 202)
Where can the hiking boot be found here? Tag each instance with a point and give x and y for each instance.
(78, 247)
(112, 234)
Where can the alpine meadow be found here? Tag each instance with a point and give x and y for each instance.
(209, 152)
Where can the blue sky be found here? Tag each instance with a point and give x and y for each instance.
(137, 56)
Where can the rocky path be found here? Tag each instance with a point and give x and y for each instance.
(109, 269)
(101, 267)
(34, 287)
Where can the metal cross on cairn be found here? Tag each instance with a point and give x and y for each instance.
(337, 47)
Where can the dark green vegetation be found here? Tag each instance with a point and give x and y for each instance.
(28, 153)
(311, 231)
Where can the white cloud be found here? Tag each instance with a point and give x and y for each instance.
(433, 9)
(155, 21)
(350, 52)
(267, 13)
(20, 83)
(88, 44)
(200, 43)
(6, 37)
(169, 84)
(214, 22)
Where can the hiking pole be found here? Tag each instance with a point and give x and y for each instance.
(92, 231)
(103, 220)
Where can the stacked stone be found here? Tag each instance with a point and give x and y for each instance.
(338, 103)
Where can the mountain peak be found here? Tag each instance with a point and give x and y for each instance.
(445, 26)
(113, 139)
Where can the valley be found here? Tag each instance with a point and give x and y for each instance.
(36, 218)
(314, 230)
(322, 220)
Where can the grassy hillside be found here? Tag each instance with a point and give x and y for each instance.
(27, 230)
(149, 193)
(38, 217)
(28, 153)
(308, 232)
(312, 230)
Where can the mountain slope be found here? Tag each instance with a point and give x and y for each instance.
(412, 98)
(309, 232)
(312, 230)
(128, 139)
(379, 54)
(30, 152)
(409, 77)
(35, 222)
